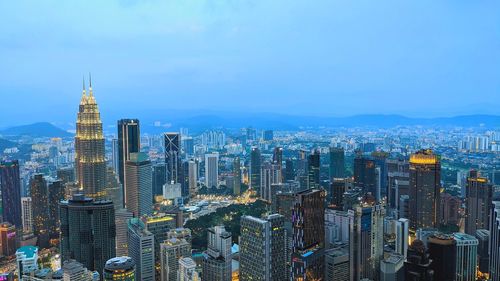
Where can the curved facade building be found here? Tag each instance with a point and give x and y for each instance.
(118, 269)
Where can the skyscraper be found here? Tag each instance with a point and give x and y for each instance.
(216, 263)
(494, 243)
(10, 186)
(129, 141)
(141, 249)
(278, 159)
(27, 214)
(263, 248)
(237, 176)
(483, 255)
(466, 262)
(55, 195)
(88, 231)
(193, 177)
(402, 229)
(138, 182)
(173, 157)
(425, 176)
(365, 175)
(187, 270)
(212, 170)
(308, 235)
(270, 177)
(337, 163)
(41, 219)
(443, 253)
(159, 177)
(478, 195)
(75, 271)
(313, 168)
(90, 162)
(119, 269)
(171, 251)
(121, 222)
(255, 169)
(114, 156)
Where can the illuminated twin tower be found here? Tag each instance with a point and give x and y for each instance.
(90, 163)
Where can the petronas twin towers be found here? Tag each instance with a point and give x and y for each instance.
(90, 162)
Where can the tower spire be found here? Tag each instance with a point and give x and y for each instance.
(90, 88)
(83, 84)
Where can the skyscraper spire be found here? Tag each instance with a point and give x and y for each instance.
(83, 84)
(90, 88)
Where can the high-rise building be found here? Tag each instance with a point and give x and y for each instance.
(119, 269)
(26, 260)
(449, 209)
(483, 255)
(425, 176)
(417, 265)
(129, 141)
(466, 262)
(494, 243)
(398, 181)
(443, 253)
(160, 225)
(478, 196)
(55, 196)
(308, 235)
(402, 235)
(262, 248)
(141, 249)
(289, 170)
(90, 162)
(339, 227)
(27, 214)
(159, 178)
(268, 135)
(392, 267)
(114, 156)
(138, 182)
(8, 243)
(173, 157)
(365, 176)
(338, 187)
(187, 270)
(278, 159)
(172, 250)
(237, 176)
(337, 163)
(313, 169)
(255, 169)
(121, 222)
(212, 170)
(337, 264)
(216, 263)
(10, 186)
(270, 175)
(41, 219)
(75, 271)
(87, 231)
(193, 177)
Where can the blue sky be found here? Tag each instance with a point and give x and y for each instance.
(329, 58)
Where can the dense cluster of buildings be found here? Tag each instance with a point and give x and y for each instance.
(343, 210)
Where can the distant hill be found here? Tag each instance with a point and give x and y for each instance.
(6, 144)
(41, 129)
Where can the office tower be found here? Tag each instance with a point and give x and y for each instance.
(308, 235)
(268, 135)
(289, 170)
(398, 181)
(255, 169)
(187, 270)
(392, 267)
(41, 219)
(173, 157)
(119, 269)
(188, 145)
(337, 264)
(141, 249)
(159, 176)
(138, 182)
(56, 195)
(278, 159)
(270, 175)
(90, 162)
(10, 187)
(417, 265)
(494, 242)
(75, 271)
(159, 225)
(351, 198)
(443, 253)
(171, 251)
(121, 222)
(185, 179)
(483, 255)
(367, 240)
(380, 158)
(193, 177)
(237, 176)
(27, 214)
(404, 206)
(478, 196)
(7, 239)
(313, 169)
(337, 163)
(212, 170)
(364, 174)
(216, 262)
(425, 176)
(262, 248)
(339, 227)
(115, 156)
(449, 209)
(338, 187)
(402, 234)
(129, 141)
(88, 231)
(466, 262)
(26, 260)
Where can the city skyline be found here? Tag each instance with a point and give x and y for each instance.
(326, 59)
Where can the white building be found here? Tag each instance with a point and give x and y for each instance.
(466, 256)
(27, 260)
